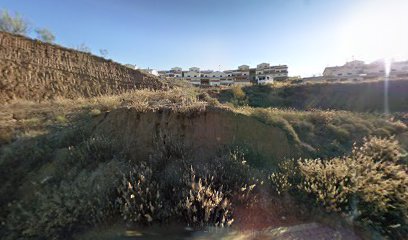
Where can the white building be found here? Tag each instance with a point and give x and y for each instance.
(244, 75)
(353, 70)
(150, 71)
(263, 79)
(176, 69)
(175, 72)
(243, 68)
(262, 66)
(229, 79)
(193, 76)
(194, 69)
(266, 72)
(399, 67)
(216, 78)
(241, 77)
(240, 73)
(358, 70)
(280, 72)
(132, 66)
(211, 78)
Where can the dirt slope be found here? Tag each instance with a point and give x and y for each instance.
(204, 132)
(34, 70)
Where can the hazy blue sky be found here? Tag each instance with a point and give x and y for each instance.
(222, 34)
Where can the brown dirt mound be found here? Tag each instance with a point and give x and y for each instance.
(34, 70)
(204, 132)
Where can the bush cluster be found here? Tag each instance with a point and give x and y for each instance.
(238, 97)
(139, 197)
(369, 186)
(92, 184)
(206, 203)
(168, 187)
(58, 210)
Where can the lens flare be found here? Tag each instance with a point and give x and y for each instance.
(387, 66)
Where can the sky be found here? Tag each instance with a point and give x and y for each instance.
(307, 35)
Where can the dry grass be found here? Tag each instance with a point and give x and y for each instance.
(139, 196)
(325, 133)
(90, 183)
(21, 116)
(356, 96)
(206, 203)
(369, 186)
(89, 180)
(149, 99)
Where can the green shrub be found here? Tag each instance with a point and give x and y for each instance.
(370, 185)
(283, 178)
(382, 132)
(207, 98)
(320, 117)
(272, 119)
(304, 126)
(139, 198)
(61, 119)
(6, 135)
(92, 151)
(338, 133)
(238, 93)
(61, 209)
(328, 181)
(95, 112)
(206, 204)
(239, 97)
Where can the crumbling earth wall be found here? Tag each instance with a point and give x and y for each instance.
(34, 70)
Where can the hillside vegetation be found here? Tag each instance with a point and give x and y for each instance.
(356, 96)
(94, 145)
(134, 158)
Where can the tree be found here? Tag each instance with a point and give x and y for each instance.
(83, 48)
(45, 35)
(16, 24)
(103, 52)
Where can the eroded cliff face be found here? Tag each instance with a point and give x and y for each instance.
(202, 132)
(34, 70)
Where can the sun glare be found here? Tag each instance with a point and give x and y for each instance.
(387, 63)
(375, 31)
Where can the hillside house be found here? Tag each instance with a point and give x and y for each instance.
(358, 70)
(243, 75)
(193, 76)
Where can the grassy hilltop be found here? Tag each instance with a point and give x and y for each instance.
(350, 96)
